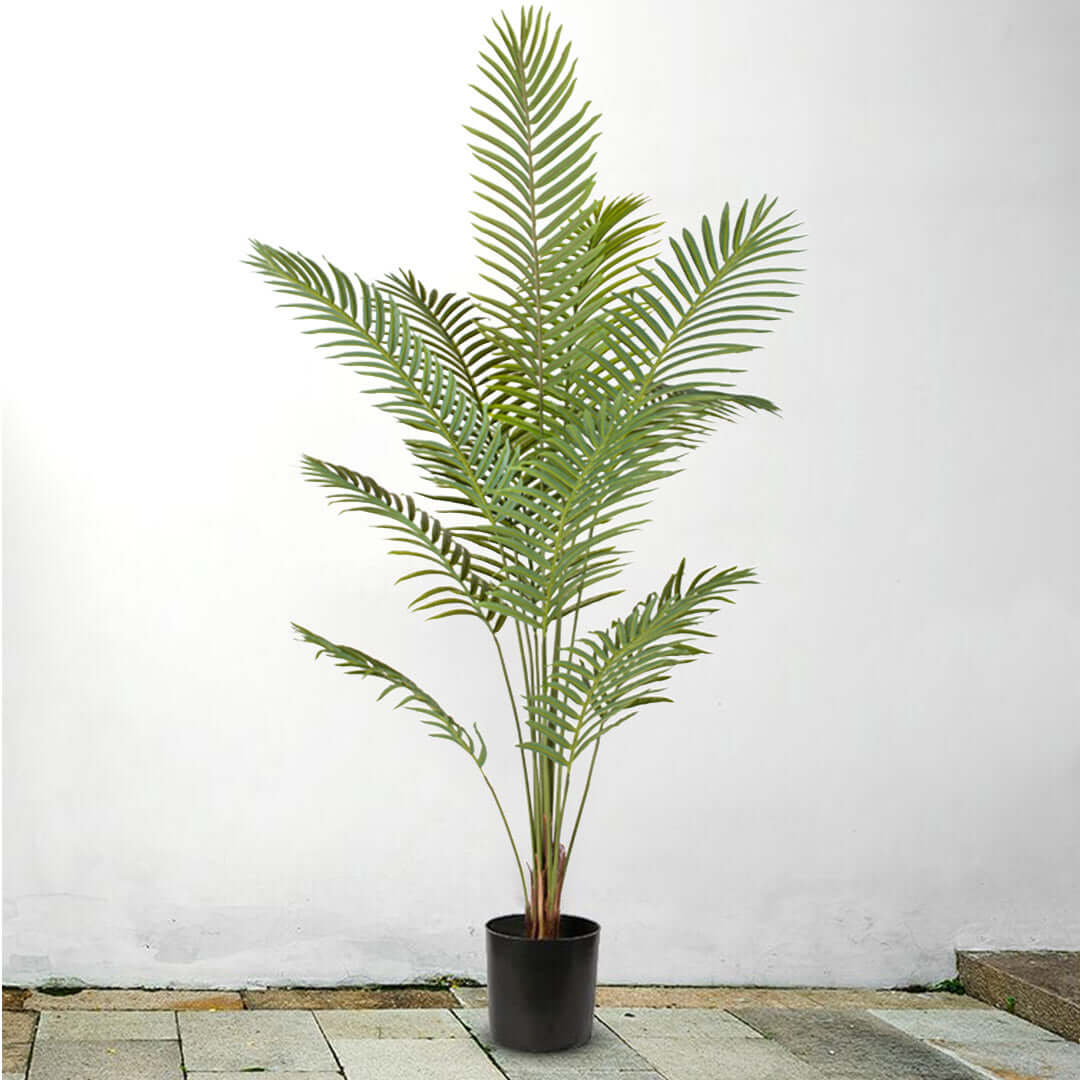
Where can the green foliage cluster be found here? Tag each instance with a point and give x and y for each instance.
(542, 412)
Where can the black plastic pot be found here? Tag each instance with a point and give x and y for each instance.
(541, 994)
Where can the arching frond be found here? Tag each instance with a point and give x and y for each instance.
(607, 676)
(463, 448)
(450, 328)
(413, 698)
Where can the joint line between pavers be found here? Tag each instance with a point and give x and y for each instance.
(629, 1046)
(33, 1046)
(329, 1044)
(483, 1049)
(743, 1020)
(179, 1042)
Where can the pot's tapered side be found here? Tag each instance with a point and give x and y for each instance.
(541, 994)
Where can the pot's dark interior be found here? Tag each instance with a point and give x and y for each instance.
(570, 926)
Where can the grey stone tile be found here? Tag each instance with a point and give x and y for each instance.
(390, 1024)
(106, 1026)
(1013, 1060)
(675, 1023)
(720, 1059)
(845, 1044)
(134, 999)
(22, 1076)
(986, 1025)
(605, 1052)
(270, 1076)
(58, 1060)
(262, 1039)
(555, 1072)
(414, 1059)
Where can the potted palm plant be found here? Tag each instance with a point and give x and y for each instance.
(543, 410)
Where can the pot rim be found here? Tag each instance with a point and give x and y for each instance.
(590, 928)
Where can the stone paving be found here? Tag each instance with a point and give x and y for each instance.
(641, 1033)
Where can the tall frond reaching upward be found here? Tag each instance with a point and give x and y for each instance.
(536, 227)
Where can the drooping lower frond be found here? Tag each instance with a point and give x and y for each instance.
(360, 663)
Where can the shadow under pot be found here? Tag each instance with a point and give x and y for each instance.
(541, 994)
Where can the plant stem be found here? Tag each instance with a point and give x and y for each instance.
(584, 796)
(509, 833)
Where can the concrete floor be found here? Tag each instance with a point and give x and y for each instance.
(730, 1034)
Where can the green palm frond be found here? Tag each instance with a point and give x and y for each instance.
(413, 698)
(706, 302)
(473, 575)
(449, 327)
(463, 450)
(606, 677)
(536, 227)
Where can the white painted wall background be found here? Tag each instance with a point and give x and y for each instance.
(879, 763)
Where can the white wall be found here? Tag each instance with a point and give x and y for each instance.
(879, 763)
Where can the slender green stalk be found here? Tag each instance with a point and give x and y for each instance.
(509, 833)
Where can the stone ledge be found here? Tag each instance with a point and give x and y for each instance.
(1042, 986)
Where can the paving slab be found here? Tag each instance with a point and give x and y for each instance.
(390, 1024)
(58, 1060)
(405, 997)
(630, 1024)
(16, 1056)
(846, 1044)
(891, 999)
(555, 1072)
(169, 1000)
(722, 1059)
(989, 1025)
(238, 1041)
(14, 996)
(605, 1052)
(255, 1076)
(1026, 1061)
(19, 1027)
(413, 1059)
(105, 1026)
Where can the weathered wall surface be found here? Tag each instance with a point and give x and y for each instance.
(880, 760)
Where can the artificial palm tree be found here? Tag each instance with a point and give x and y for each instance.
(543, 411)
